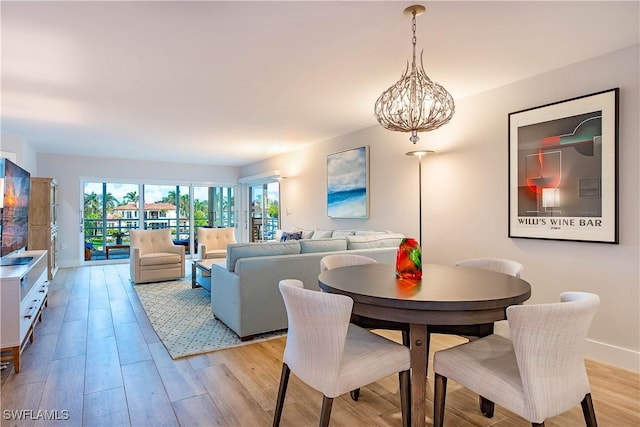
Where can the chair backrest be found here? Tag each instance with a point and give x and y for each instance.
(506, 266)
(547, 341)
(149, 241)
(216, 238)
(318, 324)
(330, 262)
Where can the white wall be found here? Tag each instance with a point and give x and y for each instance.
(25, 154)
(71, 171)
(465, 196)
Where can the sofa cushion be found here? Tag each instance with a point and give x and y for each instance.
(306, 233)
(323, 245)
(236, 251)
(370, 232)
(322, 234)
(343, 233)
(374, 241)
(159, 258)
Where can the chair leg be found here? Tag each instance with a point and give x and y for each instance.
(325, 413)
(439, 395)
(588, 411)
(487, 407)
(405, 397)
(355, 394)
(405, 338)
(537, 424)
(282, 391)
(428, 343)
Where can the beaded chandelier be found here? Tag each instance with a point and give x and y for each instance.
(415, 103)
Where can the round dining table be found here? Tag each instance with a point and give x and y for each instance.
(445, 295)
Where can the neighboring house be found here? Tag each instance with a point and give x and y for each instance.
(156, 215)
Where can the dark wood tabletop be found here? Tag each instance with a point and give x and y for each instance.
(442, 289)
(445, 295)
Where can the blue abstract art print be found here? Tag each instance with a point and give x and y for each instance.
(348, 183)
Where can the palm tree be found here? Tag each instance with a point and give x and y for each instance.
(111, 201)
(92, 205)
(130, 197)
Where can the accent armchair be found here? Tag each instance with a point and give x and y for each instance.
(154, 256)
(212, 242)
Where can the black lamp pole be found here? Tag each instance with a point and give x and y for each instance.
(419, 154)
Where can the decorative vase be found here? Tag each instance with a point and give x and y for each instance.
(409, 260)
(118, 240)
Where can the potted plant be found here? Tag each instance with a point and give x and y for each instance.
(118, 235)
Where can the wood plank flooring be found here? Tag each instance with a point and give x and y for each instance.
(96, 361)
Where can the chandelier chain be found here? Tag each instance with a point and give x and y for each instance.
(414, 40)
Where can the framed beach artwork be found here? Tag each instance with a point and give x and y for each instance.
(348, 183)
(563, 170)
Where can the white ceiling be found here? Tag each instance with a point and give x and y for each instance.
(230, 83)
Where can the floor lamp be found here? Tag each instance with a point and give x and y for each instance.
(420, 154)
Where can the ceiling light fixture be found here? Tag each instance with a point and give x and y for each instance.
(415, 103)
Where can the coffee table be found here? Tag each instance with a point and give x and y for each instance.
(201, 273)
(114, 247)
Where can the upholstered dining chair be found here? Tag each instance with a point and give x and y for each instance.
(330, 262)
(499, 265)
(338, 356)
(154, 256)
(538, 374)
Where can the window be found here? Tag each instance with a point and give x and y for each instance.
(112, 209)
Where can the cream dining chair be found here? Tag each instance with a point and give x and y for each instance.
(330, 262)
(334, 356)
(538, 374)
(499, 265)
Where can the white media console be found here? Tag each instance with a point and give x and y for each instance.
(23, 295)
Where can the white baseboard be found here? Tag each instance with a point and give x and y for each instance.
(613, 355)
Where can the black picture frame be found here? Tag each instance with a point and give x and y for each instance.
(563, 170)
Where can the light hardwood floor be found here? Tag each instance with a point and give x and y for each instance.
(97, 359)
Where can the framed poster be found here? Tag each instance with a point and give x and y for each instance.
(348, 183)
(563, 170)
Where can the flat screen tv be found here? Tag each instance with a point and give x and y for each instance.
(14, 226)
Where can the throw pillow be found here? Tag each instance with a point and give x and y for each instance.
(291, 236)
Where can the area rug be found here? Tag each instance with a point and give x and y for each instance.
(182, 318)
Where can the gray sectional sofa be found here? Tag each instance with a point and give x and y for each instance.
(244, 286)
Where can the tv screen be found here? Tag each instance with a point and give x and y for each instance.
(16, 183)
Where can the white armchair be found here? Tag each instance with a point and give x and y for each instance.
(212, 242)
(154, 256)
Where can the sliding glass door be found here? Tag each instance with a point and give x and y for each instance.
(264, 211)
(112, 209)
